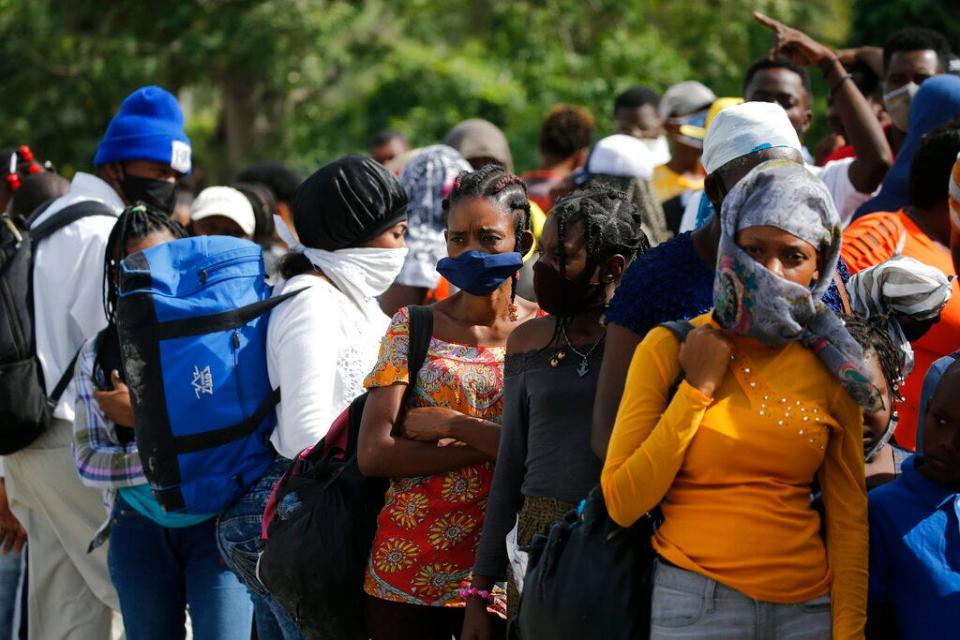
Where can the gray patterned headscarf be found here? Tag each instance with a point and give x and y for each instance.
(427, 177)
(901, 286)
(752, 301)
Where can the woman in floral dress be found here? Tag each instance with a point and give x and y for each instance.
(439, 453)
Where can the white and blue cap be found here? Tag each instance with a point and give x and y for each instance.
(746, 128)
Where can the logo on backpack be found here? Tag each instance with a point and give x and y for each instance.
(202, 381)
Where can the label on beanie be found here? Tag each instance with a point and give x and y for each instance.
(180, 156)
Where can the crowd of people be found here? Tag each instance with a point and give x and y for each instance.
(800, 440)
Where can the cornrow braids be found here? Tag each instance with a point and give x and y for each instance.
(134, 223)
(871, 334)
(611, 225)
(507, 191)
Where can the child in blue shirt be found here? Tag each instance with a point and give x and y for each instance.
(915, 531)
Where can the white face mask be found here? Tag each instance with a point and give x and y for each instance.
(897, 104)
(361, 274)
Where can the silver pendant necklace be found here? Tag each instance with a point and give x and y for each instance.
(584, 367)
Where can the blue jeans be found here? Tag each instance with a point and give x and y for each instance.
(688, 606)
(11, 573)
(160, 571)
(238, 535)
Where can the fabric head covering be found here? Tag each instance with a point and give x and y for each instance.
(346, 203)
(746, 128)
(752, 301)
(478, 138)
(930, 382)
(901, 286)
(148, 126)
(427, 179)
(955, 195)
(936, 103)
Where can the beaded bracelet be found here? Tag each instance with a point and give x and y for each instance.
(473, 592)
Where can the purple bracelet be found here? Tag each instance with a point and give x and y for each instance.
(472, 592)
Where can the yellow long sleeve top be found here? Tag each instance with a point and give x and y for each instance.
(732, 473)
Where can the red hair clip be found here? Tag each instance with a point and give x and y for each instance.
(13, 180)
(25, 154)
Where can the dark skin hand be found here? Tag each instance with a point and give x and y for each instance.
(12, 534)
(391, 446)
(115, 403)
(862, 129)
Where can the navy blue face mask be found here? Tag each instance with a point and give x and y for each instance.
(480, 273)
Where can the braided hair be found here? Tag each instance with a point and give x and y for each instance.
(505, 190)
(871, 334)
(135, 223)
(611, 225)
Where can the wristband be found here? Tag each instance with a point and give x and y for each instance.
(839, 83)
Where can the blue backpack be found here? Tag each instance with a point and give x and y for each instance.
(192, 317)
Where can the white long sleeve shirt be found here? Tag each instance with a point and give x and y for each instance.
(68, 283)
(320, 347)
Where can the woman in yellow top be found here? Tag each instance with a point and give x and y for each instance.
(769, 404)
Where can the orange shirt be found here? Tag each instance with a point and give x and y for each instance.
(732, 473)
(875, 238)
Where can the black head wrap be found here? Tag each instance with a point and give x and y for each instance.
(346, 203)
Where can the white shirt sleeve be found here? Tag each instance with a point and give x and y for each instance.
(689, 220)
(836, 176)
(303, 343)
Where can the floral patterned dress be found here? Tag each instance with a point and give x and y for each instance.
(429, 528)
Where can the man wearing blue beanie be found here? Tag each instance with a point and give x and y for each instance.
(140, 157)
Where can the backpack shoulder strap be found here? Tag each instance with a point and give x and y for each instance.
(421, 330)
(680, 329)
(64, 380)
(68, 215)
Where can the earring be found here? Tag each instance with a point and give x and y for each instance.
(512, 310)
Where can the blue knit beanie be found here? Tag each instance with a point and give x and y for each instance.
(149, 126)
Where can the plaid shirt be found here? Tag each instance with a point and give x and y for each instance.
(102, 460)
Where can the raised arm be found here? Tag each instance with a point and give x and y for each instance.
(863, 130)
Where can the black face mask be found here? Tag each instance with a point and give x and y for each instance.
(158, 194)
(561, 297)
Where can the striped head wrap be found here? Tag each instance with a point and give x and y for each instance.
(901, 286)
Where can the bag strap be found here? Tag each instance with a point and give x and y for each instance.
(64, 380)
(65, 216)
(186, 327)
(680, 329)
(421, 331)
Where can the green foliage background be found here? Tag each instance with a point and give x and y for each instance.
(306, 80)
